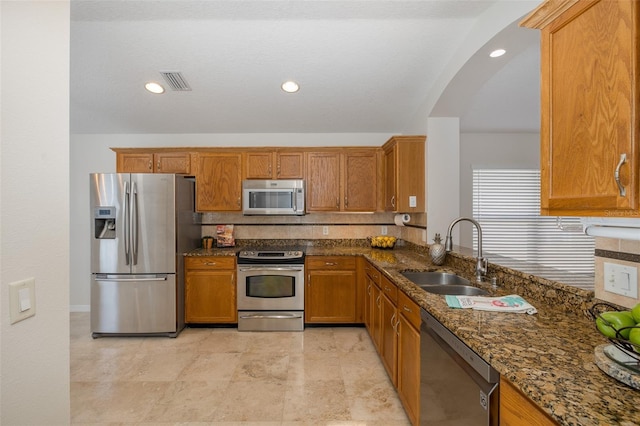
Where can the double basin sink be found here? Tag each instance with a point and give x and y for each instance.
(443, 283)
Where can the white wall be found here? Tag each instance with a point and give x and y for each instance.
(492, 150)
(34, 218)
(443, 175)
(92, 153)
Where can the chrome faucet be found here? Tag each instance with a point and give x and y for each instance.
(481, 262)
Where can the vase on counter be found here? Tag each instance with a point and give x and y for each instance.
(437, 251)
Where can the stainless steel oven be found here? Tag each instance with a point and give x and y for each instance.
(270, 290)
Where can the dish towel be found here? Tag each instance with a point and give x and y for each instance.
(511, 303)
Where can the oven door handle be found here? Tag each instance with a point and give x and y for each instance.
(271, 316)
(269, 268)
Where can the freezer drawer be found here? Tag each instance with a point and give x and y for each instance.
(133, 304)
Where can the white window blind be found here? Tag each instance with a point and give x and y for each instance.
(506, 203)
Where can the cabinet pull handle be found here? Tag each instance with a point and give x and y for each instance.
(338, 203)
(346, 202)
(150, 165)
(330, 263)
(210, 263)
(369, 289)
(378, 301)
(393, 325)
(158, 165)
(393, 201)
(406, 309)
(616, 175)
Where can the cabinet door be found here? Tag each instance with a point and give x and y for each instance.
(258, 165)
(323, 181)
(516, 409)
(127, 162)
(589, 110)
(376, 312)
(360, 181)
(172, 162)
(390, 179)
(409, 357)
(218, 182)
(290, 165)
(389, 339)
(210, 296)
(330, 297)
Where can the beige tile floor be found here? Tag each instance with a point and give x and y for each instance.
(322, 376)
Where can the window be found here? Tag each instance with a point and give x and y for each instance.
(506, 203)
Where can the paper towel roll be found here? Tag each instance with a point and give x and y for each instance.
(401, 219)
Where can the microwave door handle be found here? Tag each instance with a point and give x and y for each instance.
(294, 200)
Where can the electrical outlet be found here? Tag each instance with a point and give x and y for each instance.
(325, 230)
(621, 279)
(383, 230)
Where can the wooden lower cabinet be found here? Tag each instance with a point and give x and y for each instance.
(518, 410)
(393, 321)
(408, 385)
(389, 337)
(330, 290)
(210, 290)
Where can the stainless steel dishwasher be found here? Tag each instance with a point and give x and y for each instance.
(457, 387)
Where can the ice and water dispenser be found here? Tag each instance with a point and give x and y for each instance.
(104, 226)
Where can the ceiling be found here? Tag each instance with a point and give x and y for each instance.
(362, 65)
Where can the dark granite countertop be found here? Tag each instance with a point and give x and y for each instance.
(549, 356)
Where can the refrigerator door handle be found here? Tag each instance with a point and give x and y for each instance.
(127, 218)
(134, 223)
(124, 280)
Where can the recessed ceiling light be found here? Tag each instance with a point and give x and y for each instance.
(290, 86)
(497, 53)
(154, 87)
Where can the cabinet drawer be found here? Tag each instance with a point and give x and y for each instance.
(331, 262)
(210, 262)
(372, 273)
(389, 288)
(409, 309)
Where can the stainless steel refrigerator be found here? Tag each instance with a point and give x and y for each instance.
(141, 224)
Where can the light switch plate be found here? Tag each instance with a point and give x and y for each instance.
(621, 279)
(413, 201)
(22, 300)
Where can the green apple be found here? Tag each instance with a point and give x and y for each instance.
(609, 322)
(634, 337)
(635, 311)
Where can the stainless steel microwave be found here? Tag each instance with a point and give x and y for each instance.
(273, 197)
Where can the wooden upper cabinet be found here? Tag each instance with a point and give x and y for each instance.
(274, 164)
(153, 162)
(343, 180)
(360, 180)
(590, 107)
(218, 181)
(323, 181)
(404, 174)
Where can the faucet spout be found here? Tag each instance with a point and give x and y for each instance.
(481, 262)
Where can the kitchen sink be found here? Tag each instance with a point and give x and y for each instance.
(435, 278)
(443, 283)
(455, 289)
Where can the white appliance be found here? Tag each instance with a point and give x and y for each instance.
(273, 197)
(141, 226)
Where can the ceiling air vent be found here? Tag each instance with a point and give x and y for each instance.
(176, 81)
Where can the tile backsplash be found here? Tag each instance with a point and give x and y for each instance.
(623, 252)
(317, 226)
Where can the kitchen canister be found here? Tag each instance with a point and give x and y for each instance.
(437, 251)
